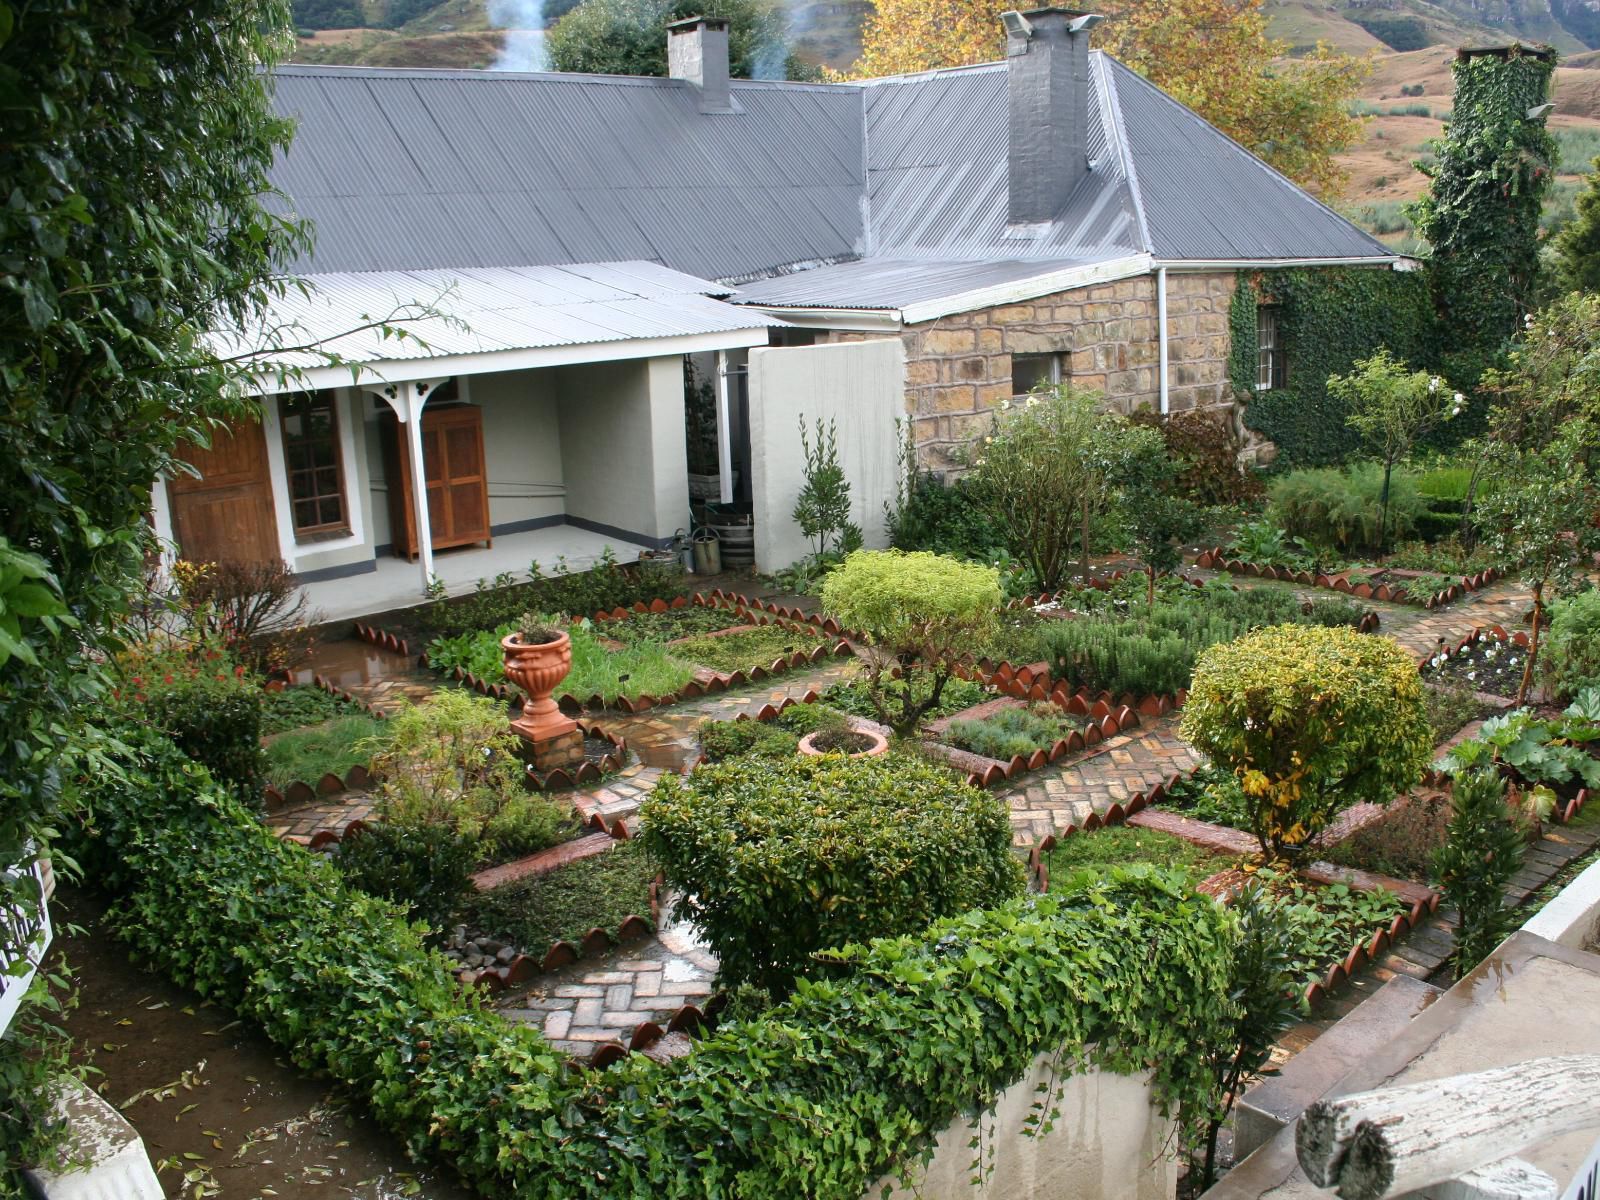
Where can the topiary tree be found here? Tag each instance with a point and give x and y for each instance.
(778, 860)
(1310, 720)
(1482, 851)
(920, 613)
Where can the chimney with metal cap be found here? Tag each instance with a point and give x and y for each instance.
(697, 51)
(1047, 80)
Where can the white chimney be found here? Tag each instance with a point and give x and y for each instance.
(697, 52)
(1047, 81)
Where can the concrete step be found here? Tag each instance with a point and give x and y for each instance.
(1276, 1101)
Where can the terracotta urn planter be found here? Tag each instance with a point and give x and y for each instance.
(878, 744)
(537, 668)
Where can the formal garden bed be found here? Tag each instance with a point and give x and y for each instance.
(1489, 661)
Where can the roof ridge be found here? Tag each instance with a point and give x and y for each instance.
(1111, 112)
(468, 74)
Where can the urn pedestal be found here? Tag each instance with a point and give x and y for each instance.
(537, 668)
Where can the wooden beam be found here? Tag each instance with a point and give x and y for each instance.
(1387, 1143)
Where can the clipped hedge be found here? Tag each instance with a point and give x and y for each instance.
(781, 859)
(816, 1099)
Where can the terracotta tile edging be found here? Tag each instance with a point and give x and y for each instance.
(1215, 559)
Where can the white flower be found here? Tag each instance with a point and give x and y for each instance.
(1005, 404)
(1433, 384)
(988, 441)
(1033, 401)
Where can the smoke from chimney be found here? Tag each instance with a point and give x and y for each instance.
(523, 22)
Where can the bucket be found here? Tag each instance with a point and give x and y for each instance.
(707, 555)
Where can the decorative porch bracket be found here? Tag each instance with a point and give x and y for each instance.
(1450, 1138)
(407, 399)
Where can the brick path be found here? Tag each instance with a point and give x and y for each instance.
(605, 1000)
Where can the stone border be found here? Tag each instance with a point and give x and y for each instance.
(1216, 559)
(1101, 722)
(1424, 900)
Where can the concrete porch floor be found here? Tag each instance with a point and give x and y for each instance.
(398, 583)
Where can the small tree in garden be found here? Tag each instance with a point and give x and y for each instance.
(1156, 518)
(920, 613)
(1032, 474)
(1482, 851)
(1311, 720)
(781, 859)
(823, 508)
(1392, 409)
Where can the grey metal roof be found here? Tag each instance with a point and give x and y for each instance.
(407, 169)
(400, 169)
(485, 310)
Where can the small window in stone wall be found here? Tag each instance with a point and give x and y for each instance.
(1271, 370)
(1029, 372)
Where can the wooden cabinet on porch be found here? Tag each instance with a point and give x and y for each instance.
(457, 483)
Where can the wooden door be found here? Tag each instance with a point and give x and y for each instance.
(454, 478)
(465, 483)
(226, 515)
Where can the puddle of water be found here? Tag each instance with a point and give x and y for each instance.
(215, 1101)
(352, 663)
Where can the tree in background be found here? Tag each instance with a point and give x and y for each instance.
(1156, 517)
(1543, 453)
(1213, 55)
(629, 37)
(1481, 213)
(1577, 246)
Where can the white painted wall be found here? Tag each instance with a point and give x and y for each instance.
(1572, 919)
(860, 385)
(1109, 1143)
(622, 450)
(521, 444)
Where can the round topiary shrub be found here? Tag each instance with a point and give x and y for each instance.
(1311, 720)
(920, 612)
(778, 860)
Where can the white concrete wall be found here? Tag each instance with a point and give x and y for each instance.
(1109, 1143)
(1572, 919)
(622, 450)
(861, 386)
(521, 444)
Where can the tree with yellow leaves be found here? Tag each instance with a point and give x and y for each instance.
(1212, 55)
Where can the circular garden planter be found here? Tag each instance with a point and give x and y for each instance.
(872, 745)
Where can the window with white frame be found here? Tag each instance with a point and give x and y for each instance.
(1029, 372)
(1270, 369)
(315, 463)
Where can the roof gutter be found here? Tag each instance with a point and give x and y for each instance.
(1267, 264)
(847, 320)
(1031, 288)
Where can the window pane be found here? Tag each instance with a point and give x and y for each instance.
(311, 453)
(1030, 371)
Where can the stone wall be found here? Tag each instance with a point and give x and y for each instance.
(959, 367)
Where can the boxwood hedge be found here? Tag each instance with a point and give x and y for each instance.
(779, 859)
(826, 1091)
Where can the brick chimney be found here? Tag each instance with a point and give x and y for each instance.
(1047, 80)
(697, 52)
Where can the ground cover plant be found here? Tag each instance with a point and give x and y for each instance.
(1310, 721)
(333, 746)
(891, 1052)
(780, 860)
(778, 738)
(1402, 843)
(1550, 755)
(1213, 796)
(642, 669)
(744, 649)
(600, 891)
(1117, 644)
(687, 622)
(1486, 665)
(920, 613)
(297, 707)
(1325, 922)
(1124, 845)
(1452, 705)
(1013, 731)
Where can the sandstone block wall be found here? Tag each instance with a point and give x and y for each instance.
(958, 368)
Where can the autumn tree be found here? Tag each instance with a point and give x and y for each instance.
(1212, 55)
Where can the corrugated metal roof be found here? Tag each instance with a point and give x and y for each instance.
(1207, 198)
(487, 310)
(891, 283)
(405, 169)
